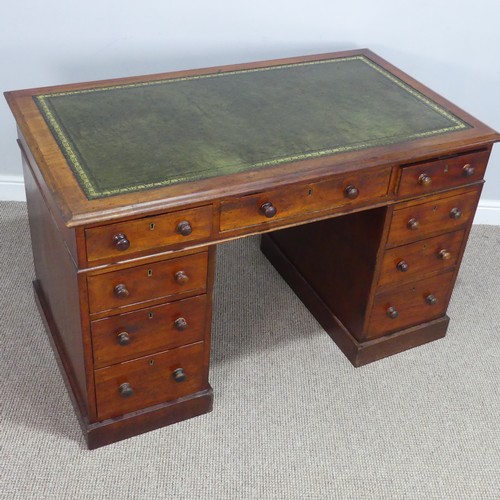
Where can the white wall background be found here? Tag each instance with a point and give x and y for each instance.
(453, 46)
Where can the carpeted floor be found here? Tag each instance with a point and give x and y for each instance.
(292, 418)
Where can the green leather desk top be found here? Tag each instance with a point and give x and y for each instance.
(130, 137)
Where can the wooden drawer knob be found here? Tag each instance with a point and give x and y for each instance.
(431, 299)
(121, 291)
(268, 209)
(444, 254)
(123, 338)
(392, 312)
(121, 242)
(181, 324)
(413, 224)
(455, 213)
(126, 390)
(184, 228)
(425, 180)
(351, 192)
(181, 277)
(402, 266)
(179, 375)
(468, 170)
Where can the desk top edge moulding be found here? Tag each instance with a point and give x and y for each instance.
(161, 141)
(362, 182)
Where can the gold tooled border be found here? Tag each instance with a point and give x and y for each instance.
(92, 193)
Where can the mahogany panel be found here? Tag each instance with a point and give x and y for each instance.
(57, 287)
(338, 259)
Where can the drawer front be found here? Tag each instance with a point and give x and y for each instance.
(409, 305)
(115, 241)
(413, 261)
(420, 220)
(147, 282)
(270, 206)
(149, 380)
(432, 176)
(130, 335)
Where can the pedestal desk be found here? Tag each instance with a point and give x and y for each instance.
(363, 182)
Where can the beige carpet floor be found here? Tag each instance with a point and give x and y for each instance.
(292, 418)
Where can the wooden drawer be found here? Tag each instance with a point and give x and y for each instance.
(150, 380)
(426, 177)
(130, 335)
(409, 305)
(423, 218)
(413, 261)
(147, 282)
(306, 198)
(149, 233)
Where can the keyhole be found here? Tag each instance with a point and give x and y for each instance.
(152, 226)
(150, 315)
(309, 192)
(150, 272)
(151, 362)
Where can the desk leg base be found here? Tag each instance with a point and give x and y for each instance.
(358, 353)
(131, 424)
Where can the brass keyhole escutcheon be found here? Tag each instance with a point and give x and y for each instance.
(152, 226)
(150, 272)
(151, 362)
(150, 315)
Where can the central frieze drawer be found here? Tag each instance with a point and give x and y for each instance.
(147, 282)
(130, 335)
(415, 260)
(115, 241)
(149, 380)
(270, 206)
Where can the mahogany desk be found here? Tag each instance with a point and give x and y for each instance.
(364, 181)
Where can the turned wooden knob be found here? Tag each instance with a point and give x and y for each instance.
(121, 291)
(468, 170)
(180, 324)
(123, 338)
(181, 277)
(455, 213)
(126, 390)
(402, 266)
(431, 299)
(424, 180)
(179, 375)
(444, 254)
(121, 242)
(351, 192)
(268, 209)
(392, 312)
(413, 224)
(184, 228)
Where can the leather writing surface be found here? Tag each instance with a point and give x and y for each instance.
(130, 137)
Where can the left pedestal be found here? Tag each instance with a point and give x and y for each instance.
(132, 340)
